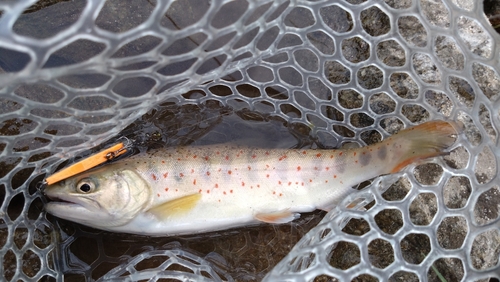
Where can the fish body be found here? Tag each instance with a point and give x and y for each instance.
(199, 189)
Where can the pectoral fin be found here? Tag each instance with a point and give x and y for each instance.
(175, 207)
(277, 217)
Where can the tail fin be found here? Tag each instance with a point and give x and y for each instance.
(424, 141)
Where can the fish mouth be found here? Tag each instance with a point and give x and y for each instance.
(57, 202)
(59, 207)
(54, 198)
(65, 208)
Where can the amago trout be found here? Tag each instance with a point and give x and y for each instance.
(199, 189)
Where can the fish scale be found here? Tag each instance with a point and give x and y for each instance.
(225, 173)
(190, 190)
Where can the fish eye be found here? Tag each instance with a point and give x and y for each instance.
(85, 186)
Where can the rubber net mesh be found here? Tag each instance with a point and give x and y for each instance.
(75, 74)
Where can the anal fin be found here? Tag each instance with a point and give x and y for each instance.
(175, 207)
(277, 217)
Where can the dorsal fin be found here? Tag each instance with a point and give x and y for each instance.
(175, 207)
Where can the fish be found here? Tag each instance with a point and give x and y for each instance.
(190, 190)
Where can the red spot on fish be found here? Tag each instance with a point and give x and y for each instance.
(162, 162)
(274, 192)
(181, 174)
(267, 153)
(371, 150)
(176, 190)
(166, 189)
(158, 194)
(281, 194)
(199, 191)
(224, 192)
(218, 153)
(242, 183)
(219, 169)
(258, 185)
(297, 182)
(289, 183)
(217, 186)
(298, 168)
(208, 173)
(302, 183)
(267, 166)
(327, 168)
(331, 156)
(249, 168)
(354, 153)
(326, 181)
(230, 191)
(165, 175)
(310, 180)
(194, 182)
(192, 170)
(282, 158)
(279, 182)
(304, 152)
(318, 155)
(229, 172)
(219, 200)
(154, 176)
(208, 191)
(254, 156)
(315, 168)
(206, 158)
(178, 159)
(364, 153)
(356, 161)
(194, 157)
(227, 158)
(340, 154)
(334, 176)
(267, 175)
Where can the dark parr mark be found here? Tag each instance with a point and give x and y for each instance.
(364, 158)
(382, 152)
(340, 163)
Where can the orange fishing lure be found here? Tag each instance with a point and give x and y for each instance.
(87, 163)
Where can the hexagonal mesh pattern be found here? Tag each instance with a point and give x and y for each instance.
(326, 73)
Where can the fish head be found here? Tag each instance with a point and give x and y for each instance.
(101, 198)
